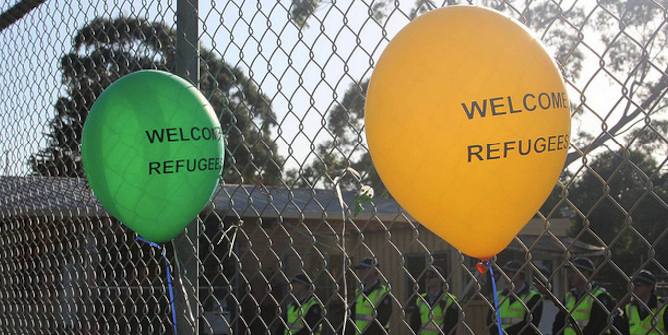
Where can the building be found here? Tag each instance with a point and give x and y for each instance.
(73, 266)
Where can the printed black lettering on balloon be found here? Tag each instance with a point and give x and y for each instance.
(183, 138)
(168, 167)
(563, 142)
(171, 135)
(551, 143)
(527, 102)
(517, 148)
(499, 106)
(474, 150)
(507, 147)
(492, 149)
(206, 133)
(153, 167)
(185, 165)
(184, 134)
(557, 100)
(154, 134)
(475, 106)
(525, 147)
(539, 145)
(510, 106)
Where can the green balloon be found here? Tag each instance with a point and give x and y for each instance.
(153, 151)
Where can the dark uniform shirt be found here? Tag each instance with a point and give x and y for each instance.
(534, 305)
(383, 310)
(654, 303)
(312, 318)
(451, 314)
(598, 318)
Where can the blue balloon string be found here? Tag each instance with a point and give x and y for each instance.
(496, 298)
(169, 278)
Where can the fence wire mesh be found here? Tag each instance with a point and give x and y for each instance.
(287, 80)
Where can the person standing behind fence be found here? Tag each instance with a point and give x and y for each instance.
(646, 313)
(437, 310)
(304, 315)
(588, 303)
(520, 305)
(372, 307)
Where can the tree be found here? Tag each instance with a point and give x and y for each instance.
(631, 36)
(108, 49)
(345, 150)
(635, 56)
(346, 119)
(620, 202)
(302, 10)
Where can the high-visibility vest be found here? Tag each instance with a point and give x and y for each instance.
(515, 312)
(638, 326)
(296, 315)
(582, 311)
(433, 316)
(365, 307)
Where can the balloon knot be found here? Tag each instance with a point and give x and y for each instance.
(482, 268)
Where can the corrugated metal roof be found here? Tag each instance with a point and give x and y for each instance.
(71, 197)
(554, 244)
(253, 201)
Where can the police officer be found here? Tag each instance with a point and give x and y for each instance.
(588, 303)
(304, 315)
(373, 306)
(646, 308)
(520, 305)
(437, 310)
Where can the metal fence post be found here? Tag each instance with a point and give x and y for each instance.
(186, 245)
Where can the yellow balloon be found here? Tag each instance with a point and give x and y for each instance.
(468, 124)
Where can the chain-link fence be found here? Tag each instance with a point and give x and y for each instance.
(287, 80)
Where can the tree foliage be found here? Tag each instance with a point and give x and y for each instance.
(633, 36)
(618, 199)
(345, 150)
(346, 119)
(620, 203)
(302, 10)
(630, 34)
(107, 49)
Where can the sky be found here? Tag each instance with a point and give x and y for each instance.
(305, 72)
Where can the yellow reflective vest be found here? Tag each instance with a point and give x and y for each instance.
(296, 315)
(432, 317)
(640, 326)
(365, 307)
(581, 312)
(515, 312)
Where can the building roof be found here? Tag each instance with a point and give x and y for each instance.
(72, 197)
(550, 244)
(67, 197)
(251, 201)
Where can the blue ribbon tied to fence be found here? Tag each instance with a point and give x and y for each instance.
(170, 286)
